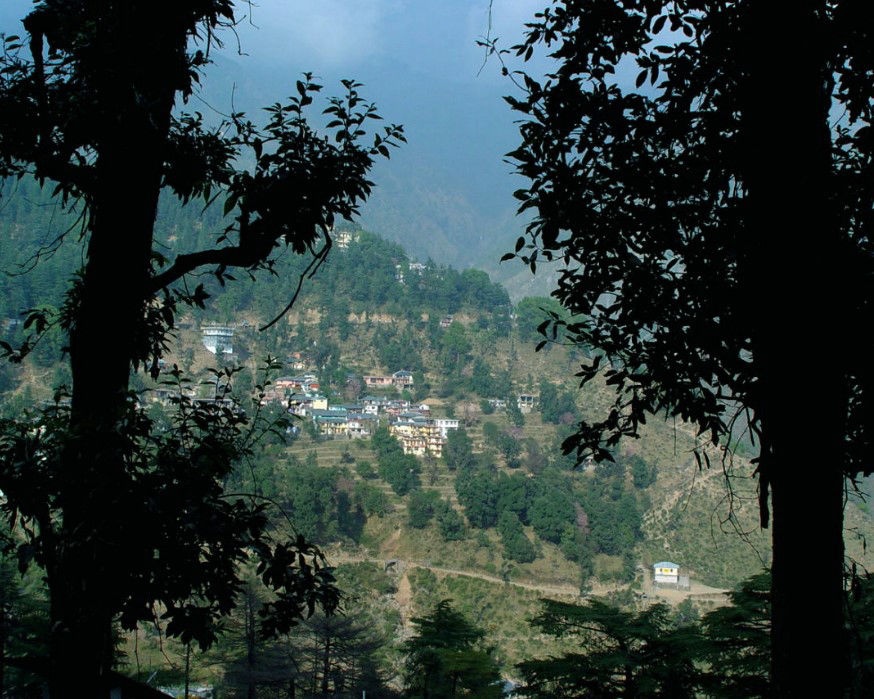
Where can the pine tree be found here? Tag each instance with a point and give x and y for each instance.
(446, 657)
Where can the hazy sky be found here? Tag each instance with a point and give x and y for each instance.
(417, 58)
(432, 37)
(418, 61)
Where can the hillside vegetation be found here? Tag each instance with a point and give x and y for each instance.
(503, 517)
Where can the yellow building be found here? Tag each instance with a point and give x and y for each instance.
(418, 436)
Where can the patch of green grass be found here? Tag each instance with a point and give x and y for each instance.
(502, 611)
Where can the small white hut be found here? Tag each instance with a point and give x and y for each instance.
(665, 573)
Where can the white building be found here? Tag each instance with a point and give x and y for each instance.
(526, 402)
(444, 424)
(218, 339)
(344, 238)
(665, 573)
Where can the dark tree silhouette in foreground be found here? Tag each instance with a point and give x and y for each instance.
(122, 520)
(656, 651)
(622, 653)
(713, 227)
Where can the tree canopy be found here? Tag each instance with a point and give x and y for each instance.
(622, 653)
(122, 517)
(446, 657)
(703, 214)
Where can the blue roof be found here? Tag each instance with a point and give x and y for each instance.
(329, 413)
(665, 564)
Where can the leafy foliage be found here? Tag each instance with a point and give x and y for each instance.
(333, 654)
(450, 524)
(421, 507)
(125, 519)
(24, 625)
(670, 205)
(643, 475)
(504, 442)
(737, 644)
(532, 312)
(556, 406)
(446, 657)
(458, 450)
(476, 493)
(373, 500)
(517, 546)
(645, 224)
(399, 470)
(626, 654)
(657, 652)
(168, 501)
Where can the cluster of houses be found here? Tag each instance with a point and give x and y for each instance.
(413, 426)
(414, 267)
(524, 401)
(10, 325)
(343, 239)
(219, 340)
(169, 396)
(420, 434)
(399, 379)
(285, 387)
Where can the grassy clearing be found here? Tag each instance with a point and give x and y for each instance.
(502, 611)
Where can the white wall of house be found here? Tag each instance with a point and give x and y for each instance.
(666, 573)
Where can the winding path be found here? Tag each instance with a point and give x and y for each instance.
(556, 590)
(697, 591)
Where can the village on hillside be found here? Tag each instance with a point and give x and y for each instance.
(411, 423)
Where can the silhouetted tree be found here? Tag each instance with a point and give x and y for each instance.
(622, 653)
(335, 656)
(24, 626)
(736, 646)
(251, 662)
(91, 103)
(708, 220)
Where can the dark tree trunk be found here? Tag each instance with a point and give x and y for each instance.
(251, 645)
(83, 583)
(793, 262)
(97, 532)
(326, 666)
(3, 636)
(187, 670)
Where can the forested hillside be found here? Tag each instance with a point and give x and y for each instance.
(501, 518)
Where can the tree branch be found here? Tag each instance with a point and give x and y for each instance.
(311, 269)
(231, 256)
(247, 255)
